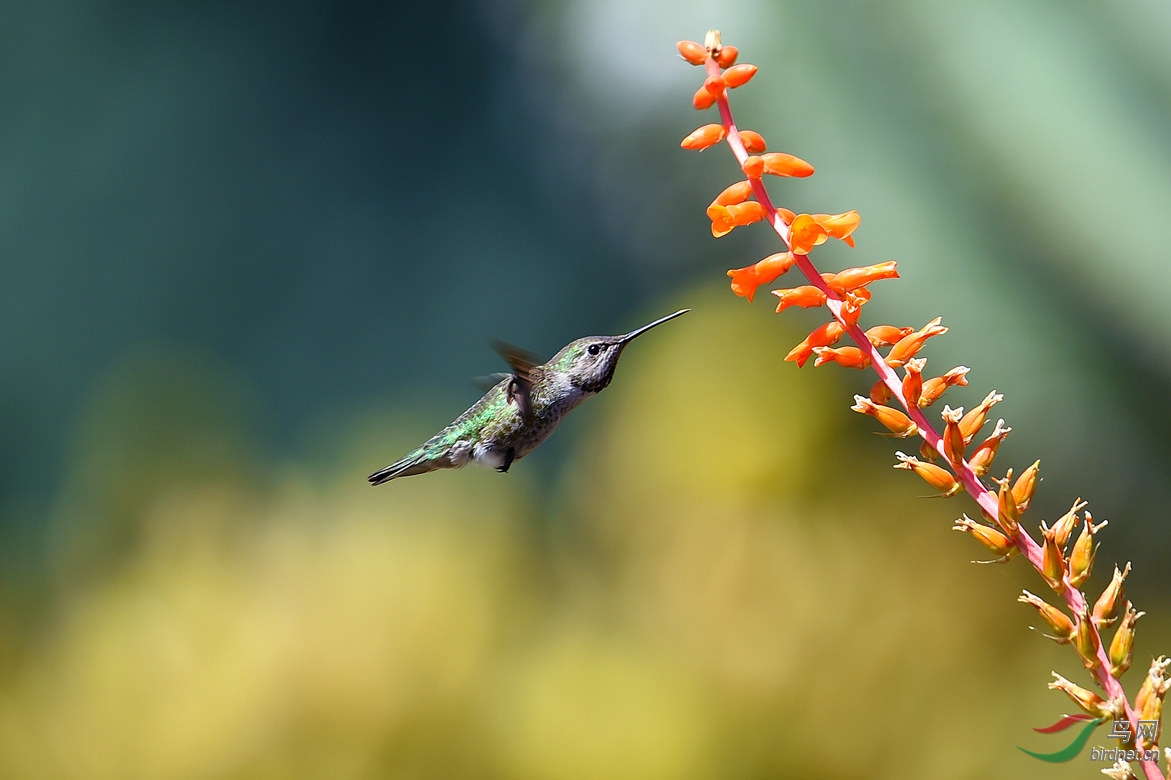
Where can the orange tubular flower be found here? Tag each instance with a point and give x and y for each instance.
(806, 296)
(981, 459)
(1058, 621)
(988, 536)
(841, 226)
(805, 233)
(746, 280)
(825, 335)
(1052, 559)
(1066, 523)
(1007, 514)
(953, 441)
(753, 141)
(913, 381)
(1122, 647)
(892, 419)
(739, 75)
(909, 345)
(1081, 559)
(933, 388)
(974, 420)
(1086, 640)
(937, 477)
(853, 278)
(1106, 607)
(692, 52)
(1025, 485)
(703, 137)
(1087, 700)
(782, 164)
(724, 218)
(733, 194)
(886, 335)
(849, 357)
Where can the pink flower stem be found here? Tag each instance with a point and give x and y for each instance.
(987, 500)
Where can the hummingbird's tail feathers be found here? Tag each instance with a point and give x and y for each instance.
(415, 463)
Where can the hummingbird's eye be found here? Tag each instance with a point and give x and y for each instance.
(594, 349)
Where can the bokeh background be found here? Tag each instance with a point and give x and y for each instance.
(253, 251)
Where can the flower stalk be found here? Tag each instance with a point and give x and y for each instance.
(949, 463)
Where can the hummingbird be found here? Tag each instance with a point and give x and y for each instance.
(522, 408)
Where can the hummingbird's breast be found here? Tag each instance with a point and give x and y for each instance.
(553, 396)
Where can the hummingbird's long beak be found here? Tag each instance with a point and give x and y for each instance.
(639, 331)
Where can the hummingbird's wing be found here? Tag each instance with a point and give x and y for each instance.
(520, 390)
(486, 383)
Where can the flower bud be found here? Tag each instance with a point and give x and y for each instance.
(1026, 484)
(806, 296)
(692, 52)
(703, 137)
(881, 394)
(823, 336)
(1088, 700)
(848, 357)
(782, 164)
(726, 56)
(739, 75)
(1052, 560)
(1066, 523)
(1059, 622)
(1081, 560)
(937, 477)
(1122, 646)
(753, 141)
(908, 346)
(981, 459)
(1106, 607)
(913, 381)
(974, 420)
(853, 278)
(703, 99)
(734, 193)
(892, 419)
(886, 335)
(1086, 640)
(933, 388)
(953, 440)
(1008, 517)
(746, 280)
(1149, 699)
(988, 536)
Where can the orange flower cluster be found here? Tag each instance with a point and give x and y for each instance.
(951, 461)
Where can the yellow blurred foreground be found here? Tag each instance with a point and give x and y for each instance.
(728, 580)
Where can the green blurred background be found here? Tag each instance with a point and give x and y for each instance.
(253, 251)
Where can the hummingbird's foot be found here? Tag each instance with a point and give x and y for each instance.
(509, 456)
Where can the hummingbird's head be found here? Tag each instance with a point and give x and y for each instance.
(589, 363)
